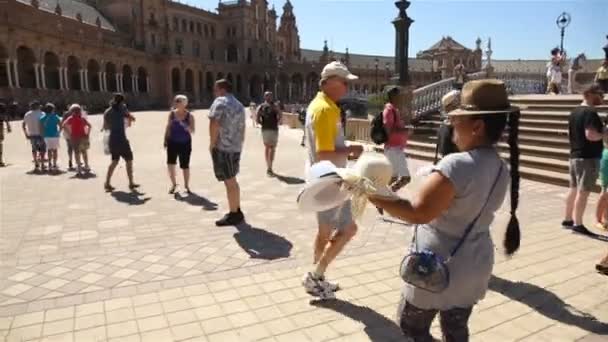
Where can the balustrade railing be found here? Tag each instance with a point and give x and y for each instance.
(427, 99)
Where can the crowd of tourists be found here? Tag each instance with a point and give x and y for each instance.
(555, 70)
(451, 216)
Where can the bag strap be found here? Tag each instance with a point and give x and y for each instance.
(472, 224)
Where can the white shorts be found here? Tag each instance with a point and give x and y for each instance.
(396, 156)
(52, 143)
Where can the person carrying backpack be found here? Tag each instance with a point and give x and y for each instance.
(397, 135)
(445, 145)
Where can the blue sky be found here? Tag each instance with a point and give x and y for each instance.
(519, 29)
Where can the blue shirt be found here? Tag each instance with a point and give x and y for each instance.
(50, 125)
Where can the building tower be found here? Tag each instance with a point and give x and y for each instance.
(289, 39)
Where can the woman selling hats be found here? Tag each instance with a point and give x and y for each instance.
(453, 212)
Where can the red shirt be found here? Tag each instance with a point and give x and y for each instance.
(77, 126)
(391, 120)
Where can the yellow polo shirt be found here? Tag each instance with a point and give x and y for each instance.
(602, 73)
(325, 122)
(323, 127)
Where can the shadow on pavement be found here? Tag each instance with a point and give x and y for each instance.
(594, 236)
(86, 175)
(289, 180)
(261, 244)
(131, 198)
(548, 304)
(377, 327)
(196, 200)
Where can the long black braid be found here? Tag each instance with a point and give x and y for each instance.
(513, 235)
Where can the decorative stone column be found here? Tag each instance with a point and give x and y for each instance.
(66, 81)
(16, 68)
(42, 76)
(9, 72)
(86, 80)
(37, 74)
(402, 27)
(60, 71)
(289, 91)
(100, 76)
(104, 81)
(134, 84)
(147, 84)
(83, 87)
(118, 83)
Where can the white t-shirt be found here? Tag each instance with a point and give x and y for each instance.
(32, 122)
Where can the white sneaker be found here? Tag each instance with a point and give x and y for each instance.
(317, 287)
(329, 285)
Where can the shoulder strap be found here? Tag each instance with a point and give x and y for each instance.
(472, 224)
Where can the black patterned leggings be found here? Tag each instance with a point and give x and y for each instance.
(416, 323)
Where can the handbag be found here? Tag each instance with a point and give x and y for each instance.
(425, 269)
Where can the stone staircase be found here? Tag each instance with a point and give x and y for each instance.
(543, 137)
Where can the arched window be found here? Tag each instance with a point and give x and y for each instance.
(176, 80)
(74, 73)
(25, 67)
(51, 70)
(92, 75)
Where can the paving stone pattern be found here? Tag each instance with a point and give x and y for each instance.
(78, 264)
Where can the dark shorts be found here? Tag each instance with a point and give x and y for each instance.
(121, 150)
(225, 164)
(181, 150)
(38, 144)
(584, 173)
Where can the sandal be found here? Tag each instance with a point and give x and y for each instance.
(133, 186)
(108, 188)
(172, 189)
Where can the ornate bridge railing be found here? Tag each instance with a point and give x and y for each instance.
(427, 99)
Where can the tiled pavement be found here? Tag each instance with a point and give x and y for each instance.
(82, 265)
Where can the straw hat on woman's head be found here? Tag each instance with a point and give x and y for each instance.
(481, 97)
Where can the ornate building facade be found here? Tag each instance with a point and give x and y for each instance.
(69, 51)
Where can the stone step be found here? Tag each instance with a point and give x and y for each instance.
(542, 123)
(527, 172)
(551, 160)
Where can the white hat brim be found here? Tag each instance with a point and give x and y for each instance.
(383, 192)
(322, 194)
(460, 111)
(352, 77)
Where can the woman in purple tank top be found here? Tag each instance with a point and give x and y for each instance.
(178, 141)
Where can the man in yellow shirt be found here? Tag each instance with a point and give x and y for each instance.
(601, 76)
(326, 142)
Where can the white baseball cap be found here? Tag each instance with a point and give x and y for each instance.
(337, 69)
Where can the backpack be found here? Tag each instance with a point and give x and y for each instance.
(377, 131)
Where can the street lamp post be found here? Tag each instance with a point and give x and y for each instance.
(562, 22)
(376, 65)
